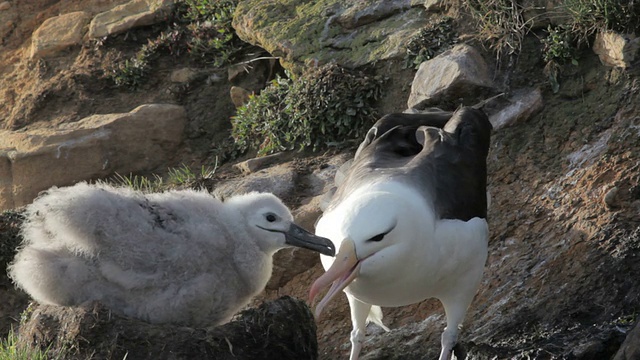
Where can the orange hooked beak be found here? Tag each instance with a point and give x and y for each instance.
(344, 270)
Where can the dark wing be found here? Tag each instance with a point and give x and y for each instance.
(453, 164)
(442, 154)
(394, 143)
(432, 117)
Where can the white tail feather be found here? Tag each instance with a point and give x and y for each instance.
(375, 316)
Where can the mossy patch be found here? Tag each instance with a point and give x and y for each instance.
(302, 32)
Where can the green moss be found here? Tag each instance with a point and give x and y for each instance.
(301, 32)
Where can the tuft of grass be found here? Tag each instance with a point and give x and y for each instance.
(325, 107)
(500, 23)
(586, 17)
(429, 42)
(138, 182)
(182, 176)
(185, 176)
(9, 350)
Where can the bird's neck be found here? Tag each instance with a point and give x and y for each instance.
(255, 268)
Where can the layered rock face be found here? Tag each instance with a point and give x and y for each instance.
(100, 145)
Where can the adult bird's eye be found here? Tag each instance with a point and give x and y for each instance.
(271, 218)
(377, 237)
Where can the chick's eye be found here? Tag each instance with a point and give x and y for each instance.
(271, 217)
(377, 238)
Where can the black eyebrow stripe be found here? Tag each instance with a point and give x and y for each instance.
(383, 234)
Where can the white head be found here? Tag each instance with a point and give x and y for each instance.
(271, 224)
(371, 230)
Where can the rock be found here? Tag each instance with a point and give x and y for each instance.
(308, 212)
(8, 20)
(288, 263)
(615, 49)
(253, 75)
(58, 33)
(352, 33)
(5, 5)
(630, 349)
(523, 104)
(239, 96)
(456, 73)
(127, 16)
(279, 329)
(94, 147)
(435, 5)
(609, 198)
(255, 164)
(363, 13)
(322, 179)
(279, 179)
(183, 76)
(233, 71)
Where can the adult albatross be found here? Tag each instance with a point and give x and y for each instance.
(181, 257)
(409, 219)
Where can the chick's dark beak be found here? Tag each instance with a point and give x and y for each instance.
(297, 236)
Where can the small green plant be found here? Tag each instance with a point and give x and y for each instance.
(200, 28)
(26, 313)
(559, 48)
(209, 31)
(326, 107)
(429, 42)
(130, 73)
(9, 350)
(626, 320)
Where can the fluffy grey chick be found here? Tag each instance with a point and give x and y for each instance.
(180, 257)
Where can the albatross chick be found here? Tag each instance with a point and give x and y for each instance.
(180, 257)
